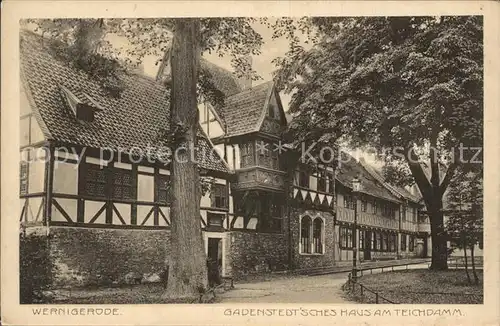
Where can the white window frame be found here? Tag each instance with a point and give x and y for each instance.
(311, 244)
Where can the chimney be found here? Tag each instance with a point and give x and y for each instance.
(245, 81)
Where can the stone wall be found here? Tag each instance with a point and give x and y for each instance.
(308, 261)
(256, 253)
(92, 256)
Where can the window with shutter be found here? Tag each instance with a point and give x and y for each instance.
(123, 185)
(93, 181)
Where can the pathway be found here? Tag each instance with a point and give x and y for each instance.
(297, 289)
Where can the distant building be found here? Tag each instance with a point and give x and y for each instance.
(107, 219)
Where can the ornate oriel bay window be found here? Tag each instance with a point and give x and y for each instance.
(312, 235)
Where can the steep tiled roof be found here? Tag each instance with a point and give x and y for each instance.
(398, 191)
(350, 168)
(133, 121)
(221, 78)
(242, 112)
(242, 108)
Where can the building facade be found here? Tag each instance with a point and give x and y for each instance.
(94, 182)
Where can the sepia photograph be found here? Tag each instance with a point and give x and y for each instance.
(251, 160)
(249, 163)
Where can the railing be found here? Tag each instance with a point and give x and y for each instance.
(345, 214)
(409, 226)
(351, 283)
(363, 289)
(456, 262)
(377, 220)
(424, 227)
(391, 266)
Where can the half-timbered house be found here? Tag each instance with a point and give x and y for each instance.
(95, 183)
(95, 176)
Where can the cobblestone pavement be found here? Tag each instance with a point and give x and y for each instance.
(299, 289)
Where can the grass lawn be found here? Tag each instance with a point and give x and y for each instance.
(421, 286)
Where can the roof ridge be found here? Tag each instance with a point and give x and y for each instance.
(392, 188)
(253, 88)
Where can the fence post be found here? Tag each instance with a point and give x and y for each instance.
(376, 297)
(361, 289)
(371, 270)
(392, 268)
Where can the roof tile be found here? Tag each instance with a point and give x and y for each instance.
(133, 121)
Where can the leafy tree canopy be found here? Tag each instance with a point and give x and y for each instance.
(389, 82)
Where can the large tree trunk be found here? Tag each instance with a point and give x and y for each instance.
(438, 239)
(476, 279)
(187, 260)
(433, 191)
(465, 257)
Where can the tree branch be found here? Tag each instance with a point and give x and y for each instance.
(447, 178)
(418, 174)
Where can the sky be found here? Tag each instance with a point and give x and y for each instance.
(270, 50)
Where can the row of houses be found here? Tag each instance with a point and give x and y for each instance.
(93, 183)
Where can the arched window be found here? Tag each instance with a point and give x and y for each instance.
(305, 235)
(318, 236)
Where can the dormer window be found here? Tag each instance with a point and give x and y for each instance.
(83, 107)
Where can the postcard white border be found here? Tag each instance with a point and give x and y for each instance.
(12, 11)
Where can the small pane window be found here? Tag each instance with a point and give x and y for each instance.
(303, 179)
(321, 181)
(317, 236)
(411, 243)
(219, 196)
(305, 234)
(23, 190)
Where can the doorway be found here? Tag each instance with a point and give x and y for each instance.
(215, 251)
(367, 252)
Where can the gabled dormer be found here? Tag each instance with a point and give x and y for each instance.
(83, 108)
(274, 120)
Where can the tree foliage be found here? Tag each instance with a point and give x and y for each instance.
(88, 45)
(389, 81)
(465, 220)
(409, 87)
